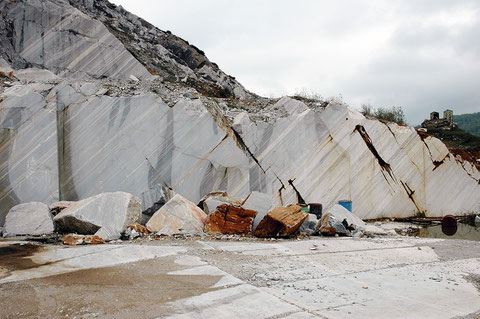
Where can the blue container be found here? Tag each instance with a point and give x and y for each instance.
(347, 204)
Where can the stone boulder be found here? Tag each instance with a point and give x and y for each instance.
(230, 219)
(29, 219)
(339, 220)
(177, 216)
(309, 226)
(211, 201)
(106, 215)
(281, 222)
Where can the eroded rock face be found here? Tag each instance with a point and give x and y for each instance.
(29, 219)
(112, 212)
(163, 53)
(230, 219)
(177, 216)
(56, 36)
(281, 222)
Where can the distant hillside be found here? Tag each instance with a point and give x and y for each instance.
(457, 138)
(469, 122)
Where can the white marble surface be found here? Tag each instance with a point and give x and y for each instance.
(58, 37)
(107, 213)
(178, 215)
(29, 219)
(328, 160)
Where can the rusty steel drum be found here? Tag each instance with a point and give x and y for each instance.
(449, 225)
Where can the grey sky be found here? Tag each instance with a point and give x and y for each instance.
(422, 55)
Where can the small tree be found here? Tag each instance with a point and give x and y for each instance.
(392, 114)
(367, 110)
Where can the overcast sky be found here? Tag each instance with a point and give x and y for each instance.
(423, 55)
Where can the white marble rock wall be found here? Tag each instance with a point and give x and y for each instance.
(71, 141)
(58, 37)
(328, 160)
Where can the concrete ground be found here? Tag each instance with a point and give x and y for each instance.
(394, 277)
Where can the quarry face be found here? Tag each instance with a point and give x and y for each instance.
(112, 128)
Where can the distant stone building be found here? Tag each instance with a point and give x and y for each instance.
(436, 122)
(448, 115)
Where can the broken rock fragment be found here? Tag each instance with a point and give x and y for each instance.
(230, 219)
(29, 219)
(339, 220)
(93, 240)
(211, 201)
(74, 239)
(109, 212)
(177, 216)
(57, 207)
(281, 222)
(309, 226)
(136, 230)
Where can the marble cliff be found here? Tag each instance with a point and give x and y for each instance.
(94, 99)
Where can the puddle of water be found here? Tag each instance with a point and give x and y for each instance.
(464, 231)
(16, 257)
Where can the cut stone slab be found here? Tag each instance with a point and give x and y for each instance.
(260, 202)
(281, 222)
(230, 219)
(111, 211)
(29, 219)
(178, 215)
(339, 220)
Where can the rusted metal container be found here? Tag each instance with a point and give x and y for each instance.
(449, 225)
(316, 208)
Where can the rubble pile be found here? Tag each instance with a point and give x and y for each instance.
(110, 217)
